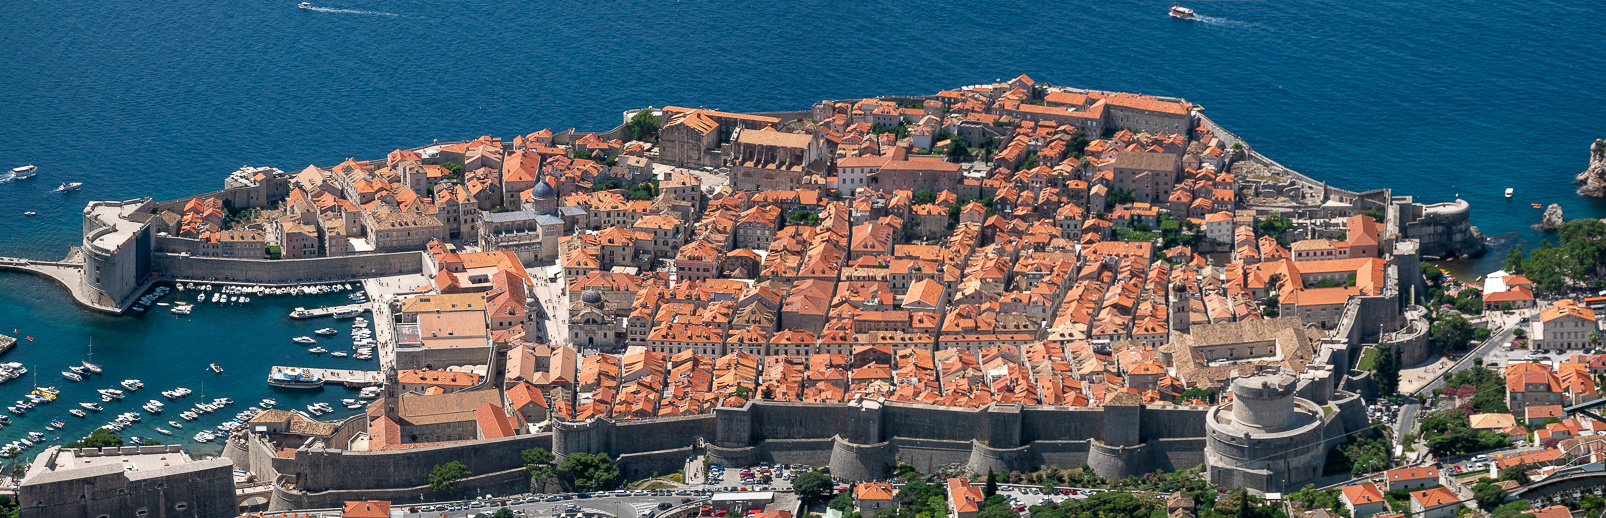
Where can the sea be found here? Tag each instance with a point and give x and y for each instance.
(1438, 100)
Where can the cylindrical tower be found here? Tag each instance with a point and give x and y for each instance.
(1264, 401)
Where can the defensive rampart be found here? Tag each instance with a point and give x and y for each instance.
(286, 271)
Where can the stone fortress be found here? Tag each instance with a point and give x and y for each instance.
(1266, 437)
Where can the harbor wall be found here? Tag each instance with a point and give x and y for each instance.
(287, 271)
(319, 469)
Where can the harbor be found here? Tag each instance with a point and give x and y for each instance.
(348, 377)
(166, 350)
(344, 311)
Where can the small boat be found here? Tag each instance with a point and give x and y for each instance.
(69, 186)
(304, 5)
(182, 310)
(92, 406)
(338, 354)
(317, 350)
(1509, 191)
(58, 422)
(77, 412)
(27, 171)
(163, 431)
(304, 340)
(30, 213)
(175, 424)
(72, 375)
(216, 369)
(91, 367)
(111, 393)
(133, 384)
(1181, 12)
(327, 331)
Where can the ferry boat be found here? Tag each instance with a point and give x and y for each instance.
(69, 186)
(24, 172)
(1181, 13)
(348, 313)
(295, 379)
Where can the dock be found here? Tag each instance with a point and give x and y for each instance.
(347, 377)
(301, 313)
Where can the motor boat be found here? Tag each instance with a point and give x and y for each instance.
(216, 369)
(327, 331)
(27, 171)
(182, 310)
(317, 350)
(111, 393)
(295, 379)
(72, 375)
(1510, 191)
(92, 406)
(70, 186)
(304, 340)
(30, 213)
(163, 431)
(304, 5)
(1181, 12)
(133, 384)
(339, 354)
(77, 412)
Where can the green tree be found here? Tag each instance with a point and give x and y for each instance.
(1198, 393)
(813, 486)
(1488, 494)
(1386, 369)
(608, 184)
(1451, 333)
(997, 511)
(1513, 262)
(502, 513)
(642, 126)
(539, 464)
(992, 484)
(1119, 197)
(1512, 473)
(8, 507)
(1592, 505)
(842, 502)
(99, 438)
(924, 196)
(444, 477)
(590, 471)
(1275, 225)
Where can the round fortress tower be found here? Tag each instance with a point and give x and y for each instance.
(1264, 402)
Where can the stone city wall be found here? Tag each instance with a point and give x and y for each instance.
(286, 271)
(504, 482)
(319, 468)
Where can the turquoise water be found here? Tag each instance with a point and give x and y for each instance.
(166, 351)
(1436, 99)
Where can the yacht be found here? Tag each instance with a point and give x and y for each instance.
(189, 415)
(304, 5)
(111, 393)
(30, 213)
(163, 431)
(216, 369)
(339, 354)
(91, 367)
(1509, 192)
(304, 340)
(317, 350)
(70, 186)
(92, 406)
(268, 403)
(1181, 13)
(295, 379)
(327, 331)
(77, 412)
(182, 310)
(26, 172)
(133, 384)
(72, 375)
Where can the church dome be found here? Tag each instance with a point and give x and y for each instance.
(591, 296)
(542, 190)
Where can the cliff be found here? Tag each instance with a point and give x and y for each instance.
(1593, 180)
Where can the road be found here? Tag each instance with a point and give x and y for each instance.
(622, 507)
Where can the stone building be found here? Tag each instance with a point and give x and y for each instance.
(118, 247)
(1266, 439)
(1148, 176)
(688, 139)
(391, 229)
(134, 481)
(530, 235)
(770, 160)
(592, 321)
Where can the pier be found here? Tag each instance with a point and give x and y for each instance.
(300, 313)
(69, 274)
(347, 377)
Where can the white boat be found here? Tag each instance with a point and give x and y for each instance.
(182, 310)
(304, 5)
(92, 406)
(327, 331)
(175, 424)
(30, 213)
(111, 393)
(348, 313)
(91, 367)
(304, 340)
(77, 412)
(216, 369)
(1509, 191)
(72, 375)
(69, 186)
(1181, 12)
(317, 350)
(26, 172)
(133, 384)
(339, 354)
(163, 431)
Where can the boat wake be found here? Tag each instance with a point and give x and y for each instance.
(1217, 20)
(350, 11)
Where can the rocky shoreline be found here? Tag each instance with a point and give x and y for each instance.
(1593, 180)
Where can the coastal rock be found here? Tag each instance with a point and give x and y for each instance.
(1552, 219)
(1593, 180)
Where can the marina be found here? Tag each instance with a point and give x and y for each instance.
(159, 363)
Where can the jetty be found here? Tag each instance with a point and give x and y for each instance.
(347, 377)
(302, 313)
(6, 342)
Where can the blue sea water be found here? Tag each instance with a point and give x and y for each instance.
(1435, 99)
